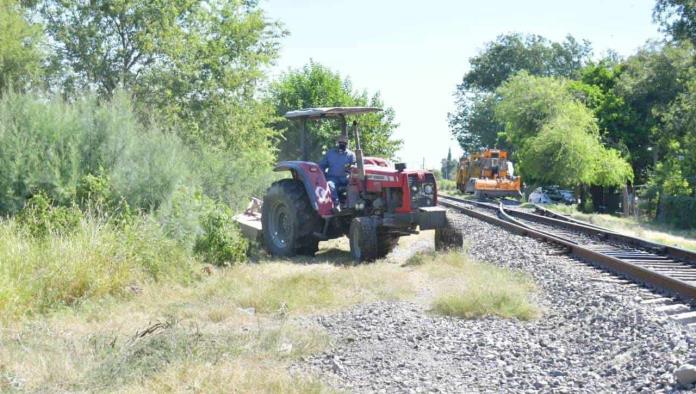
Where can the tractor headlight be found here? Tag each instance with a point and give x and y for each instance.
(428, 189)
(414, 188)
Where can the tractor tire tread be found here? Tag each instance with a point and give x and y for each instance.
(369, 243)
(306, 218)
(451, 236)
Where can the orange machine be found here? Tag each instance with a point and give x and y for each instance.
(488, 173)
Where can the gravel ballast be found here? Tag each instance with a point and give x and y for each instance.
(595, 335)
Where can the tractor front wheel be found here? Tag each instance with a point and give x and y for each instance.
(364, 245)
(450, 236)
(386, 242)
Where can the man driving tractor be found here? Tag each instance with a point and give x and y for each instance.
(336, 165)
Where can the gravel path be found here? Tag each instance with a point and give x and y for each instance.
(595, 335)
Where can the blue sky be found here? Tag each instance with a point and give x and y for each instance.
(416, 52)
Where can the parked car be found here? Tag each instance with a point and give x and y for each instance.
(538, 196)
(551, 194)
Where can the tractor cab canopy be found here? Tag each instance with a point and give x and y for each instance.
(329, 112)
(323, 113)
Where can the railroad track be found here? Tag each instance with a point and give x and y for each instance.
(660, 266)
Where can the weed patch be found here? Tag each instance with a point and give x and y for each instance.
(279, 287)
(95, 260)
(482, 289)
(171, 345)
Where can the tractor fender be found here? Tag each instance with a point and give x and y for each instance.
(311, 175)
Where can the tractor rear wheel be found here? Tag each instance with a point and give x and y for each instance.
(450, 236)
(288, 220)
(363, 238)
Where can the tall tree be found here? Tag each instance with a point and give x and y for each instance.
(317, 86)
(198, 63)
(449, 165)
(677, 17)
(473, 123)
(512, 53)
(650, 80)
(556, 138)
(20, 54)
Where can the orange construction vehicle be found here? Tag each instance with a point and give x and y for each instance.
(488, 173)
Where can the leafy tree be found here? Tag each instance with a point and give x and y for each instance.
(20, 55)
(198, 63)
(617, 121)
(678, 18)
(527, 103)
(679, 121)
(512, 53)
(449, 166)
(649, 82)
(317, 86)
(556, 137)
(473, 123)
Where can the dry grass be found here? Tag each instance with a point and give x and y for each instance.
(244, 375)
(663, 234)
(231, 331)
(167, 355)
(270, 287)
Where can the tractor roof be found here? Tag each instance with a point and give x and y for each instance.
(329, 112)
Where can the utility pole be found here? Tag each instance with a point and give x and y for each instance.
(423, 165)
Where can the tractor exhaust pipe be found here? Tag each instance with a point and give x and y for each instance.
(358, 151)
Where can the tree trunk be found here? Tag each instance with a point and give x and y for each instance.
(626, 202)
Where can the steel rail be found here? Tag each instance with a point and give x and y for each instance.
(603, 259)
(554, 219)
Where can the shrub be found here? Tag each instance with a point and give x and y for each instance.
(95, 260)
(54, 147)
(679, 211)
(40, 219)
(221, 242)
(94, 190)
(447, 185)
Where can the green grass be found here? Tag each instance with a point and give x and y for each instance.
(486, 290)
(271, 287)
(655, 232)
(38, 275)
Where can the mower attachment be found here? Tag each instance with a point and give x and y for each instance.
(250, 220)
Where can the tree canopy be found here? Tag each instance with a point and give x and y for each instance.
(20, 54)
(555, 137)
(198, 64)
(473, 123)
(317, 86)
(512, 53)
(678, 18)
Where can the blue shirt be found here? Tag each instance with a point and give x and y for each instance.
(336, 161)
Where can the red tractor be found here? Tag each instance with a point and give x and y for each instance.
(381, 202)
